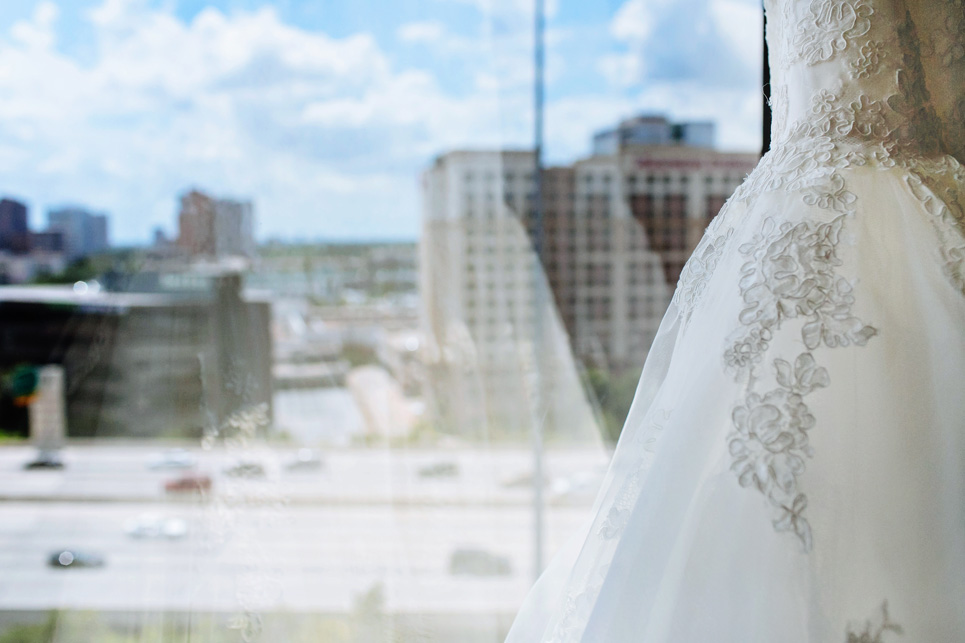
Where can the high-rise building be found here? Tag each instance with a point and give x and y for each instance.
(213, 227)
(617, 229)
(47, 242)
(608, 284)
(496, 352)
(83, 233)
(620, 225)
(14, 232)
(95, 234)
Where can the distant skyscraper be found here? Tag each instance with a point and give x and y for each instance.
(95, 234)
(14, 233)
(216, 227)
(47, 242)
(84, 233)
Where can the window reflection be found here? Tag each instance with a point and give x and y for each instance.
(275, 337)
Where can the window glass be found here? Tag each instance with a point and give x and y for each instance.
(292, 348)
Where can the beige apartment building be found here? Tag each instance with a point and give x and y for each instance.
(618, 227)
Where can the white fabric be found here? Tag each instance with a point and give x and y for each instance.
(793, 466)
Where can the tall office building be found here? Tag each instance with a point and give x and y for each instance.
(83, 233)
(496, 353)
(618, 227)
(608, 284)
(14, 233)
(213, 227)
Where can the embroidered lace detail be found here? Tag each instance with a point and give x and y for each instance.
(868, 61)
(699, 268)
(770, 441)
(886, 120)
(790, 274)
(874, 630)
(837, 135)
(828, 28)
(940, 187)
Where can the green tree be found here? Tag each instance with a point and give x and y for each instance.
(614, 392)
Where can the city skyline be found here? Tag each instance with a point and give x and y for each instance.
(324, 116)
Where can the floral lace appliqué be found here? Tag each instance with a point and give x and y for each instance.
(939, 186)
(828, 28)
(698, 270)
(770, 441)
(791, 274)
(868, 61)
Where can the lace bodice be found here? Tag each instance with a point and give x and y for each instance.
(859, 72)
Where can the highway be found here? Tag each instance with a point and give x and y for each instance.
(312, 541)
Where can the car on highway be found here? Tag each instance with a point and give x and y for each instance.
(156, 526)
(304, 460)
(246, 469)
(478, 562)
(439, 470)
(74, 558)
(172, 459)
(187, 483)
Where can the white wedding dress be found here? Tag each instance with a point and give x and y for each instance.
(793, 467)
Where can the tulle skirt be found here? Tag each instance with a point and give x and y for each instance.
(793, 466)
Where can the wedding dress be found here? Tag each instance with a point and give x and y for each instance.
(793, 467)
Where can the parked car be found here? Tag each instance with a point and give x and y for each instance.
(246, 469)
(172, 459)
(304, 460)
(187, 483)
(478, 562)
(71, 558)
(150, 525)
(439, 470)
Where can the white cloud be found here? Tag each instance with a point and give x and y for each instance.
(710, 40)
(427, 31)
(741, 24)
(621, 70)
(312, 127)
(38, 32)
(326, 134)
(633, 21)
(691, 59)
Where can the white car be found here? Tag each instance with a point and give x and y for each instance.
(304, 460)
(151, 525)
(172, 459)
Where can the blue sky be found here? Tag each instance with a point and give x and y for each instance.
(325, 111)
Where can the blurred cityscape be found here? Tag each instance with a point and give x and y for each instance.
(202, 415)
